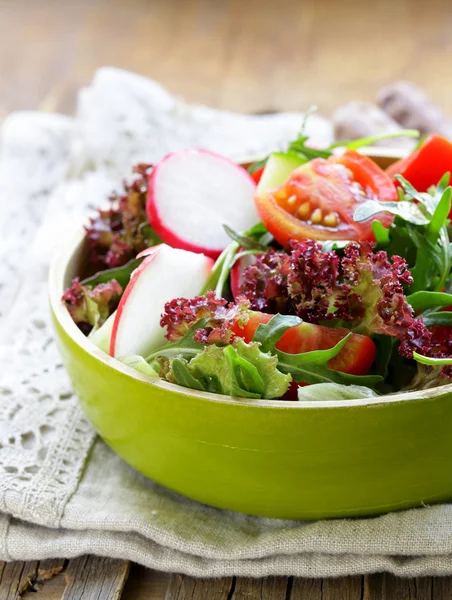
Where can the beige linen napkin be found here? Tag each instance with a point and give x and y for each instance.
(62, 491)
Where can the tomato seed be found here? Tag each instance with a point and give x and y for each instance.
(304, 211)
(316, 217)
(331, 220)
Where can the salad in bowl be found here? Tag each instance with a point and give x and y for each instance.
(272, 338)
(310, 274)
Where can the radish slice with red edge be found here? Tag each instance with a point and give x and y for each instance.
(193, 193)
(165, 273)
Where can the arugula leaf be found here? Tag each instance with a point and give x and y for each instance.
(270, 333)
(407, 211)
(440, 215)
(255, 166)
(321, 357)
(381, 234)
(419, 232)
(368, 141)
(186, 346)
(441, 318)
(314, 373)
(409, 189)
(433, 261)
(423, 300)
(427, 360)
(246, 240)
(121, 274)
(299, 147)
(385, 346)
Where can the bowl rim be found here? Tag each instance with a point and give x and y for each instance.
(56, 284)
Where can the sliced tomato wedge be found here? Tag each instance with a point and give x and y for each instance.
(426, 165)
(257, 174)
(355, 358)
(319, 200)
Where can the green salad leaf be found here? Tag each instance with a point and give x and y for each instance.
(186, 346)
(419, 232)
(241, 370)
(139, 364)
(183, 376)
(334, 391)
(409, 212)
(121, 274)
(438, 318)
(368, 141)
(270, 333)
(429, 360)
(424, 300)
(315, 372)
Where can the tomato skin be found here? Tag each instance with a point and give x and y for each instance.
(426, 165)
(256, 175)
(335, 186)
(369, 175)
(355, 358)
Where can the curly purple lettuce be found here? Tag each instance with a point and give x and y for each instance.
(361, 288)
(118, 234)
(182, 313)
(90, 308)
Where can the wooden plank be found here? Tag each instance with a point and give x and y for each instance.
(441, 588)
(182, 587)
(145, 584)
(229, 54)
(389, 587)
(49, 583)
(306, 589)
(95, 578)
(269, 588)
(343, 588)
(16, 577)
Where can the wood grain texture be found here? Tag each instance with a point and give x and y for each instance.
(247, 56)
(145, 584)
(306, 589)
(49, 581)
(16, 578)
(182, 587)
(273, 588)
(95, 578)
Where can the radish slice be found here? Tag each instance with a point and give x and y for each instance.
(193, 193)
(164, 274)
(237, 273)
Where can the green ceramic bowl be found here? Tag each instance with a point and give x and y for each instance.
(305, 460)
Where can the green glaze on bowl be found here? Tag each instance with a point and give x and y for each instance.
(276, 459)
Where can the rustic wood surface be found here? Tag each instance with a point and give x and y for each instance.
(251, 55)
(259, 55)
(94, 578)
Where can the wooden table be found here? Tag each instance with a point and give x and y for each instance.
(92, 578)
(259, 55)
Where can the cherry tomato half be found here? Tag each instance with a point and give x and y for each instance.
(319, 200)
(355, 358)
(426, 165)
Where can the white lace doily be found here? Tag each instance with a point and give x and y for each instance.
(53, 171)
